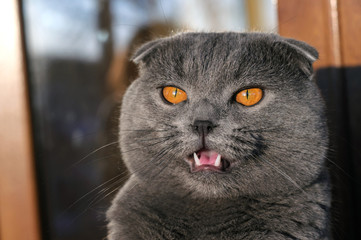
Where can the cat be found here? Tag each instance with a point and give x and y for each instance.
(225, 137)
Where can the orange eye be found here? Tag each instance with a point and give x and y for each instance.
(174, 95)
(249, 97)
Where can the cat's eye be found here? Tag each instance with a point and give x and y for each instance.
(249, 97)
(174, 95)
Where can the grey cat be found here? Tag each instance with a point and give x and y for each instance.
(225, 138)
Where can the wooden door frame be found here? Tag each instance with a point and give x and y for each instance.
(332, 26)
(18, 198)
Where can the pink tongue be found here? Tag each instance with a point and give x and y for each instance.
(208, 157)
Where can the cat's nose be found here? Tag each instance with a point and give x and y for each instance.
(203, 127)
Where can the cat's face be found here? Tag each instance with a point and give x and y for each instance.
(208, 140)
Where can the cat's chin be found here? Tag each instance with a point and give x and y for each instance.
(208, 190)
(205, 160)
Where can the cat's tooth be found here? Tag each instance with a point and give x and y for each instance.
(196, 160)
(217, 163)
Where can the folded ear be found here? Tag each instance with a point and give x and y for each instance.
(144, 53)
(303, 48)
(307, 54)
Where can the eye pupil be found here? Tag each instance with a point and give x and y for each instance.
(174, 95)
(249, 97)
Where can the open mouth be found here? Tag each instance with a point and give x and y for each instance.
(208, 160)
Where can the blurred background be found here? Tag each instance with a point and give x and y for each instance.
(76, 56)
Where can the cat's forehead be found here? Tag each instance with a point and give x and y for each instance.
(210, 52)
(201, 58)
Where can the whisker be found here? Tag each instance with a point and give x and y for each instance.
(287, 150)
(265, 129)
(108, 194)
(99, 196)
(141, 147)
(165, 150)
(90, 192)
(242, 140)
(113, 184)
(96, 150)
(93, 203)
(156, 138)
(149, 119)
(150, 142)
(156, 159)
(339, 168)
(97, 159)
(144, 130)
(285, 176)
(165, 165)
(263, 159)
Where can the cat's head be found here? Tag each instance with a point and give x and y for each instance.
(224, 114)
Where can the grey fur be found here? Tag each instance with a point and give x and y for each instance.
(278, 185)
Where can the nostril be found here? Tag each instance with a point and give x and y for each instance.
(203, 127)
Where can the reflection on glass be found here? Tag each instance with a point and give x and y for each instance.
(78, 64)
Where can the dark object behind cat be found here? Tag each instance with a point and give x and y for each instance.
(270, 183)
